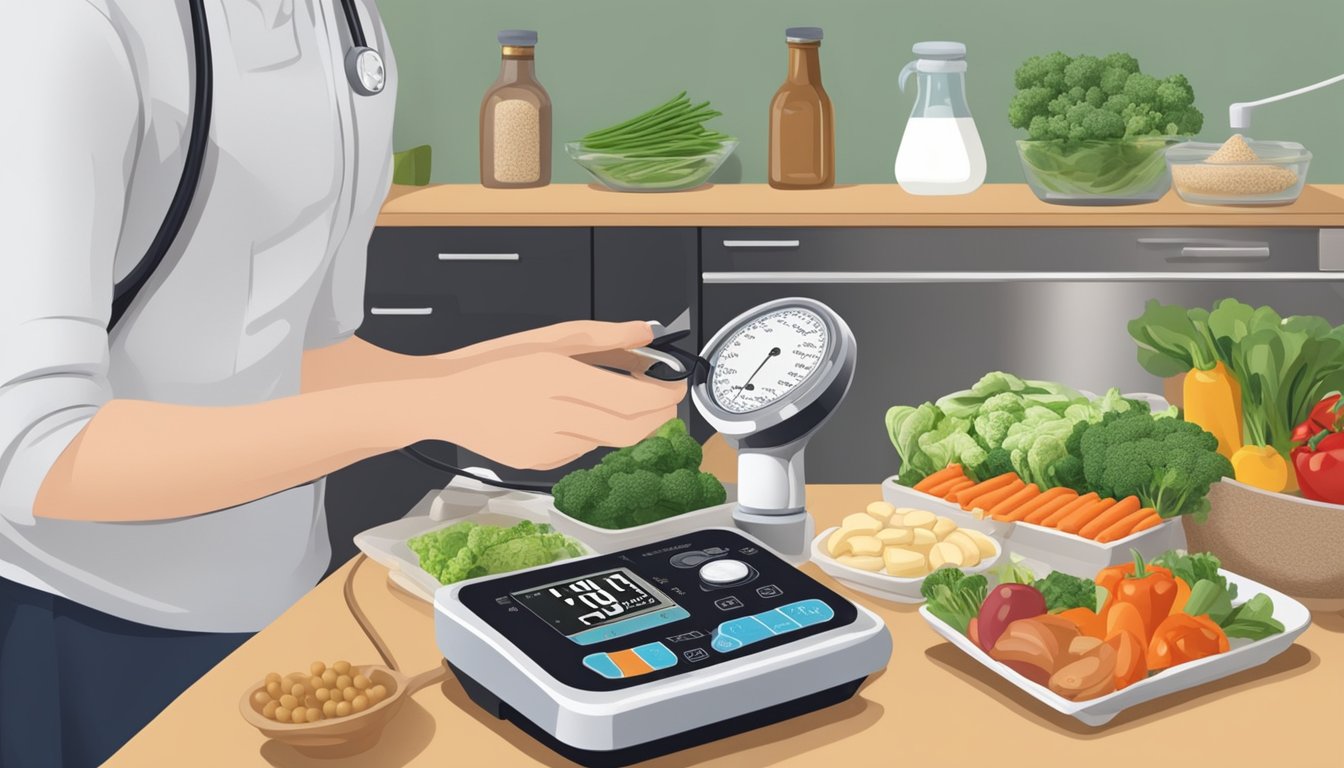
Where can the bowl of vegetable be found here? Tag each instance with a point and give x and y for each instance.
(665, 149)
(1098, 128)
(892, 552)
(646, 492)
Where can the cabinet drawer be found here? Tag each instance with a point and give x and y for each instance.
(430, 290)
(1009, 249)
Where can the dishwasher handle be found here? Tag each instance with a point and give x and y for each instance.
(740, 244)
(863, 278)
(1224, 252)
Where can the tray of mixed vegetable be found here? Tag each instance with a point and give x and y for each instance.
(1059, 474)
(1093, 646)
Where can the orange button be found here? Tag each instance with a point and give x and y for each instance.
(629, 663)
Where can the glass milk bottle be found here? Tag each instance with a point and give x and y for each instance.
(940, 152)
(516, 118)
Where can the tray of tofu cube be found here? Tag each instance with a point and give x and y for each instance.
(886, 551)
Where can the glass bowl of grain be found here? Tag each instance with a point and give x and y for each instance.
(1240, 171)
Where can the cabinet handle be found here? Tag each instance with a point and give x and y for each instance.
(401, 310)
(478, 257)
(761, 243)
(767, 278)
(1216, 252)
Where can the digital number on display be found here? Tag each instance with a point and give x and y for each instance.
(574, 605)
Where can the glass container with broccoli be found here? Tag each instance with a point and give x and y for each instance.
(1099, 128)
(657, 478)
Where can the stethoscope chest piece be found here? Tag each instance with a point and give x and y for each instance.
(364, 68)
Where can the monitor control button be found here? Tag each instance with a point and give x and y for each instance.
(721, 572)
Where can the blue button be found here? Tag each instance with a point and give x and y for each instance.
(724, 643)
(656, 655)
(777, 622)
(629, 626)
(808, 612)
(602, 664)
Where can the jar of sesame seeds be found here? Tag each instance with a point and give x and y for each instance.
(516, 118)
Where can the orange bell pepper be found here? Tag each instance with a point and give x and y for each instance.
(1131, 659)
(1150, 589)
(1182, 596)
(1181, 638)
(1123, 617)
(1089, 622)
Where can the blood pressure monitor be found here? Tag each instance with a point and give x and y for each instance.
(616, 658)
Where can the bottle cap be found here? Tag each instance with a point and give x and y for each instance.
(940, 49)
(802, 34)
(525, 37)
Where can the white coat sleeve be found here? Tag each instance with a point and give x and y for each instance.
(68, 140)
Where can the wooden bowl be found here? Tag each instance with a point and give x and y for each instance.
(1287, 542)
(342, 736)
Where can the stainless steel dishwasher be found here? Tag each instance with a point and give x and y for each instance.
(934, 309)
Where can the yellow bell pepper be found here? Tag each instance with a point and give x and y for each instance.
(1262, 467)
(1213, 401)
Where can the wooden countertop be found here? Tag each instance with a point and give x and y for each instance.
(932, 706)
(861, 205)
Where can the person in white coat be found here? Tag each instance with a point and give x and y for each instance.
(161, 484)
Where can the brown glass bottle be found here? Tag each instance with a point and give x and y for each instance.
(516, 118)
(802, 121)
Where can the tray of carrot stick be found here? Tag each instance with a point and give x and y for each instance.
(1057, 525)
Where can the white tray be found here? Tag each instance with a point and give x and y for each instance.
(1243, 655)
(461, 500)
(1059, 550)
(604, 540)
(893, 588)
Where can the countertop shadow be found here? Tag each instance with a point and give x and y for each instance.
(1297, 660)
(407, 735)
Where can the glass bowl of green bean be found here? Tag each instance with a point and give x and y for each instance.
(665, 149)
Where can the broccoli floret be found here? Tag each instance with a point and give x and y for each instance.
(1121, 61)
(1063, 592)
(997, 462)
(1028, 104)
(578, 493)
(655, 454)
(1141, 88)
(1083, 72)
(953, 596)
(712, 492)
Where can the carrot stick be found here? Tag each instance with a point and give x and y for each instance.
(1151, 521)
(1016, 500)
(1068, 509)
(1053, 498)
(942, 475)
(992, 483)
(941, 488)
(1048, 507)
(1106, 519)
(1076, 520)
(962, 484)
(988, 500)
(1124, 526)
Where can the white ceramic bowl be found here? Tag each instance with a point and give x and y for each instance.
(893, 588)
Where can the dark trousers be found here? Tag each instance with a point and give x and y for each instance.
(76, 684)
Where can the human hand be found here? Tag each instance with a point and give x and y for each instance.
(525, 400)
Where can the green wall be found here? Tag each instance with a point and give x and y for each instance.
(604, 60)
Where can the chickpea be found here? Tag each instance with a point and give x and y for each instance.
(313, 715)
(329, 708)
(344, 682)
(343, 709)
(329, 677)
(336, 695)
(272, 677)
(260, 698)
(273, 690)
(361, 682)
(297, 691)
(289, 701)
(322, 695)
(341, 667)
(317, 668)
(283, 714)
(349, 693)
(310, 701)
(376, 694)
(269, 709)
(314, 683)
(360, 703)
(298, 716)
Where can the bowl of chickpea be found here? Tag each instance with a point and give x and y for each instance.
(330, 710)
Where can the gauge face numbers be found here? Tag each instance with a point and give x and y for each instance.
(767, 359)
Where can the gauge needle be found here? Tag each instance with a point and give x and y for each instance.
(747, 385)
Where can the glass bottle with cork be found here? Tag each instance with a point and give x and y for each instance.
(802, 121)
(516, 118)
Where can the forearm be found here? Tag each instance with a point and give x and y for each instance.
(355, 361)
(138, 460)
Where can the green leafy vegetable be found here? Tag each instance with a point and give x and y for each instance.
(1253, 619)
(1014, 572)
(1063, 592)
(953, 596)
(663, 146)
(657, 478)
(469, 550)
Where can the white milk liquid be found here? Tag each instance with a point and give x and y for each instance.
(940, 156)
